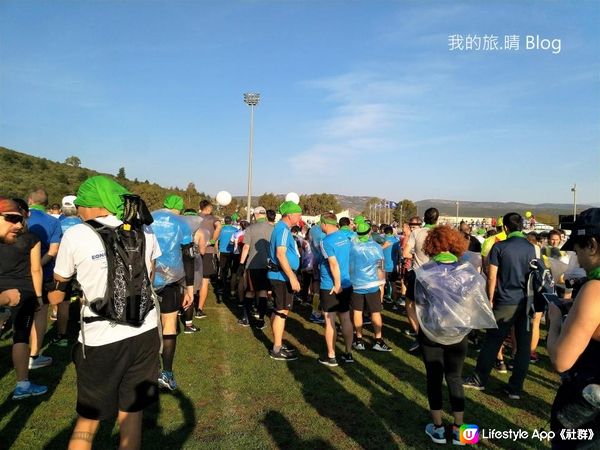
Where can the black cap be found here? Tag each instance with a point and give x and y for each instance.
(586, 224)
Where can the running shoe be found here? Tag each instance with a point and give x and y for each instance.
(39, 362)
(30, 391)
(473, 383)
(244, 322)
(190, 329)
(381, 346)
(534, 357)
(437, 434)
(347, 358)
(327, 361)
(259, 324)
(456, 435)
(358, 344)
(409, 332)
(167, 380)
(282, 355)
(513, 395)
(60, 341)
(200, 314)
(500, 366)
(414, 346)
(314, 318)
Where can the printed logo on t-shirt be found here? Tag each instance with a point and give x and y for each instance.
(98, 256)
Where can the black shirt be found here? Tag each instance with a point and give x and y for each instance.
(512, 257)
(15, 263)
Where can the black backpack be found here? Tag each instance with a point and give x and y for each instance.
(539, 282)
(129, 296)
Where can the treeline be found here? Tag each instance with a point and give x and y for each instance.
(21, 173)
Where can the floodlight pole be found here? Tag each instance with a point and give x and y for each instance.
(251, 99)
(574, 190)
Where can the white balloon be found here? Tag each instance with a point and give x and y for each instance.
(223, 198)
(292, 196)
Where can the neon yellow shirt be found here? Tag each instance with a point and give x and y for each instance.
(487, 245)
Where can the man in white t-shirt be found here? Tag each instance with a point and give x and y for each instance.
(414, 251)
(116, 364)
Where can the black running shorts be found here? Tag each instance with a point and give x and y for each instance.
(410, 281)
(258, 280)
(372, 300)
(283, 296)
(209, 268)
(335, 302)
(122, 376)
(171, 298)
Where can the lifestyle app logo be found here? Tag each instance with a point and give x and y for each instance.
(469, 434)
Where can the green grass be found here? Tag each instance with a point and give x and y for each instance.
(233, 396)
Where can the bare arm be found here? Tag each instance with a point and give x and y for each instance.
(492, 280)
(52, 252)
(217, 231)
(567, 341)
(335, 272)
(244, 255)
(36, 268)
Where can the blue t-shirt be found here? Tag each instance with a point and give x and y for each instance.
(346, 231)
(336, 244)
(365, 260)
(391, 253)
(68, 222)
(171, 232)
(225, 244)
(512, 257)
(48, 231)
(316, 237)
(282, 237)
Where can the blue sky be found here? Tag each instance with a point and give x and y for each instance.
(357, 97)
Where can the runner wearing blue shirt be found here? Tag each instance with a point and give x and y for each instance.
(315, 236)
(174, 269)
(47, 229)
(366, 275)
(67, 219)
(226, 246)
(336, 288)
(345, 229)
(284, 261)
(391, 252)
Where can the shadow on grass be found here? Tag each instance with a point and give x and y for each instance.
(285, 436)
(51, 376)
(153, 435)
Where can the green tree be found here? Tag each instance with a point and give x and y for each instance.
(121, 173)
(315, 204)
(405, 210)
(269, 201)
(73, 161)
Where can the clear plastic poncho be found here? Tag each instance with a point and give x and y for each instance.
(451, 301)
(365, 260)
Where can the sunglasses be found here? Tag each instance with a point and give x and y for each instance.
(13, 218)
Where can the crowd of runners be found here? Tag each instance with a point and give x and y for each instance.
(344, 268)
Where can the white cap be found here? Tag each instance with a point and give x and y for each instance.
(68, 200)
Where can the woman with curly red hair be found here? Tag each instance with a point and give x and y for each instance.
(447, 292)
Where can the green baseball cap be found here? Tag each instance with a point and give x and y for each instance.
(174, 202)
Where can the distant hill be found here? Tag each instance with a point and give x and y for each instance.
(21, 173)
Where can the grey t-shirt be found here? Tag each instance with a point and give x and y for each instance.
(415, 246)
(194, 222)
(208, 224)
(258, 237)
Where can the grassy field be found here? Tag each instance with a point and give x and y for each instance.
(233, 396)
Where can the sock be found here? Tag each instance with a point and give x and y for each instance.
(276, 349)
(188, 315)
(262, 307)
(168, 355)
(248, 302)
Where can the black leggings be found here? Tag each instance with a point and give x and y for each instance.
(445, 360)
